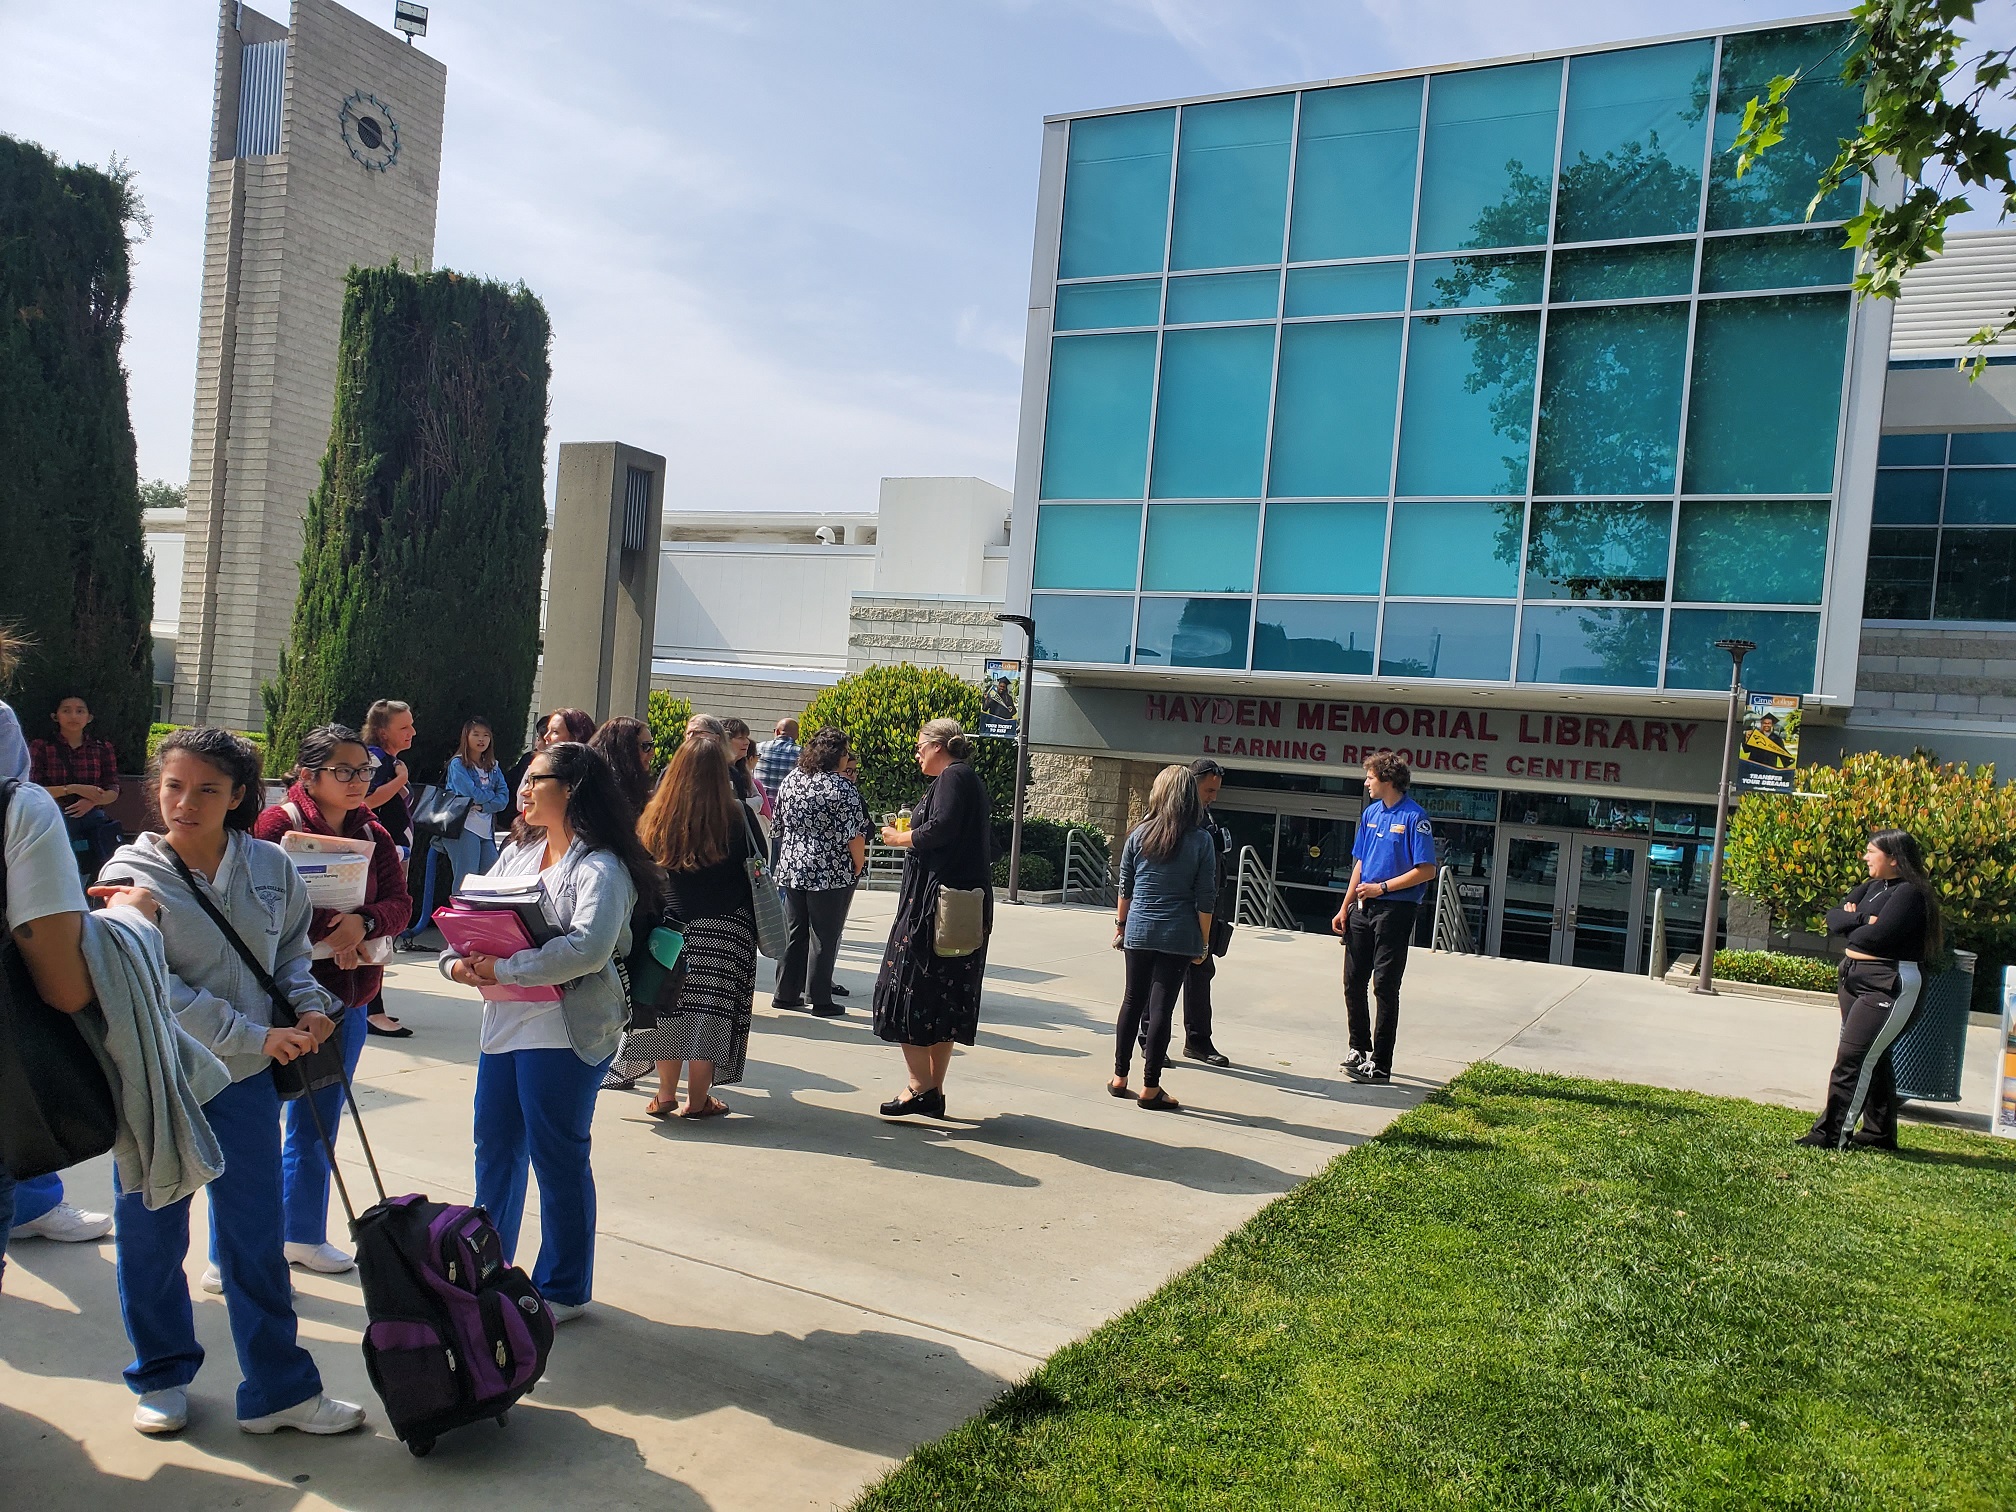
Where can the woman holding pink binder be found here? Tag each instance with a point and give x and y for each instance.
(542, 1061)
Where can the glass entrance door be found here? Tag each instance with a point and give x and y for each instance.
(1573, 900)
(1530, 910)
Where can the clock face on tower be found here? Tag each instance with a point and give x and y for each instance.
(370, 132)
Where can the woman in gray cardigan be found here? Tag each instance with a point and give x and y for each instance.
(542, 1062)
(1168, 885)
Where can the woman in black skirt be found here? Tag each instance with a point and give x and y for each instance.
(923, 1001)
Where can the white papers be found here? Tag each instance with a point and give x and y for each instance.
(335, 870)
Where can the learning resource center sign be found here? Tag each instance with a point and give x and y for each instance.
(1486, 744)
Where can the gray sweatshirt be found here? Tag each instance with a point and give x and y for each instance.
(214, 996)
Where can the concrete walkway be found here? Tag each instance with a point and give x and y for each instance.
(789, 1299)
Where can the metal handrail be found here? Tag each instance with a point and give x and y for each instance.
(884, 872)
(1655, 965)
(1452, 925)
(1088, 871)
(1258, 901)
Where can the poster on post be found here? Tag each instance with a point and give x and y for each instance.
(1769, 752)
(1001, 699)
(2002, 1117)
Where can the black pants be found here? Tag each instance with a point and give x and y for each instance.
(1877, 999)
(98, 834)
(816, 919)
(1376, 936)
(1197, 1004)
(1154, 977)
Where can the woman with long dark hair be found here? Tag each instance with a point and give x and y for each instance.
(1890, 927)
(1168, 887)
(627, 746)
(542, 1062)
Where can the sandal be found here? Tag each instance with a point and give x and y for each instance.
(1160, 1102)
(712, 1108)
(656, 1109)
(1118, 1088)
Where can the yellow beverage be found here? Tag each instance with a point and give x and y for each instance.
(903, 820)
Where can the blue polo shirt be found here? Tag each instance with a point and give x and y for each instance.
(1392, 842)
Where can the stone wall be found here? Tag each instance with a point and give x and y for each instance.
(1938, 676)
(1101, 790)
(956, 634)
(758, 701)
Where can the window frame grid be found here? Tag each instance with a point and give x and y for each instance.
(1945, 468)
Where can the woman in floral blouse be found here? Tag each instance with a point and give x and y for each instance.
(822, 843)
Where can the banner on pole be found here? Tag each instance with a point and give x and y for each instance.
(1001, 699)
(1769, 753)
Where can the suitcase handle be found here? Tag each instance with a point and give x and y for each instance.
(329, 1148)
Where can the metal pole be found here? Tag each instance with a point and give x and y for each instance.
(1704, 979)
(1028, 628)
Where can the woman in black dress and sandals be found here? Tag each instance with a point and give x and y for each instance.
(923, 1001)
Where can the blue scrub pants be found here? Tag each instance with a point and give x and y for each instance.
(245, 1217)
(534, 1107)
(25, 1201)
(6, 1206)
(304, 1166)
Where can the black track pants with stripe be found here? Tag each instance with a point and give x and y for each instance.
(1878, 999)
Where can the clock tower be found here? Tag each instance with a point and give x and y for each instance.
(325, 153)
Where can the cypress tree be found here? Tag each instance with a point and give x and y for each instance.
(74, 575)
(425, 540)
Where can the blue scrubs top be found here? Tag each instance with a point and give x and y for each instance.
(1392, 842)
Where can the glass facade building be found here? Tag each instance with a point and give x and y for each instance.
(1489, 376)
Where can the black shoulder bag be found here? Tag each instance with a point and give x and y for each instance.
(320, 1067)
(56, 1104)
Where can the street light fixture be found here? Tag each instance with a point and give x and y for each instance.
(1704, 979)
(1028, 628)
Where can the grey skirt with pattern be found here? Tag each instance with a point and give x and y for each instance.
(715, 1003)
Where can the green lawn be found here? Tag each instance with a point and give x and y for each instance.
(1547, 1293)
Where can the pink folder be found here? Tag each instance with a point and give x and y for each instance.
(492, 932)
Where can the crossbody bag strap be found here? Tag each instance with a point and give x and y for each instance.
(234, 939)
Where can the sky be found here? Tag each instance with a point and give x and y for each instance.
(785, 244)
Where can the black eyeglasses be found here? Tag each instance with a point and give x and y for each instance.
(349, 773)
(542, 777)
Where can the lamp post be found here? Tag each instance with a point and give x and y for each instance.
(1704, 979)
(1028, 628)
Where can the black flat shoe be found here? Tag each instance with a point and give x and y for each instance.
(1209, 1055)
(839, 991)
(909, 1104)
(402, 1032)
(1870, 1141)
(1819, 1139)
(1161, 1102)
(828, 1010)
(934, 1103)
(779, 1003)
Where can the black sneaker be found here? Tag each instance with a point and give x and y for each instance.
(1819, 1139)
(1207, 1054)
(1870, 1141)
(1364, 1071)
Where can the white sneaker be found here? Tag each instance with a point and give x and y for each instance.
(323, 1257)
(163, 1411)
(566, 1312)
(66, 1225)
(319, 1414)
(213, 1280)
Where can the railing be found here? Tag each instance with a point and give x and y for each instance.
(1655, 965)
(1258, 901)
(1452, 925)
(885, 869)
(1088, 871)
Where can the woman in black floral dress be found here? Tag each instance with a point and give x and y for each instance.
(925, 1002)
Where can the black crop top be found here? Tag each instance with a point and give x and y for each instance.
(1883, 917)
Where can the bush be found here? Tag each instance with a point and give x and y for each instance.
(159, 732)
(1045, 838)
(667, 717)
(881, 710)
(1769, 968)
(1038, 875)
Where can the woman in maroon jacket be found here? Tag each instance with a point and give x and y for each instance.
(327, 798)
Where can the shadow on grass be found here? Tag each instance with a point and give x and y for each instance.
(1912, 1156)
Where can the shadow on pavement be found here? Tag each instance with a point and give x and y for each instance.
(1194, 1166)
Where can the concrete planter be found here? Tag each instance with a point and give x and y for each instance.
(1682, 973)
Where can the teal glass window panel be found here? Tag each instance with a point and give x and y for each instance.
(1223, 296)
(1087, 545)
(1980, 496)
(1461, 283)
(1908, 496)
(1487, 170)
(1467, 415)
(1314, 635)
(1354, 171)
(1583, 274)
(1095, 437)
(1610, 400)
(1611, 648)
(1782, 663)
(1911, 451)
(1751, 551)
(1116, 194)
(1323, 548)
(1334, 409)
(1193, 632)
(1460, 550)
(1633, 141)
(1978, 448)
(1595, 551)
(1739, 440)
(1776, 189)
(1977, 575)
(1356, 289)
(1201, 548)
(1899, 585)
(1470, 641)
(1102, 306)
(1775, 260)
(1232, 183)
(1071, 627)
(1211, 417)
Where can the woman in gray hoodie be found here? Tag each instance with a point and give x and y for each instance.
(208, 785)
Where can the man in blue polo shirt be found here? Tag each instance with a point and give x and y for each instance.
(1393, 861)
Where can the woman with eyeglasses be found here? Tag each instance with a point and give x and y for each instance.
(542, 1062)
(331, 774)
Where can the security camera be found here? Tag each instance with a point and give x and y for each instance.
(827, 535)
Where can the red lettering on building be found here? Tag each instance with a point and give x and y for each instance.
(1682, 733)
(1308, 716)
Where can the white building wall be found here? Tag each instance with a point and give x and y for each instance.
(769, 605)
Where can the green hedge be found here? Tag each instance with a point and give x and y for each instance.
(1768, 968)
(667, 717)
(159, 732)
(881, 710)
(1038, 875)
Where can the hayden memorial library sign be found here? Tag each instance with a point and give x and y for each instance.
(1479, 745)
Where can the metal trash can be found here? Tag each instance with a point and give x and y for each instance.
(1927, 1056)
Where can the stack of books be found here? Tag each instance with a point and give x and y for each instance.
(499, 916)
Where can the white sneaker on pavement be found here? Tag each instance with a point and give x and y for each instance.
(323, 1257)
(566, 1312)
(213, 1280)
(163, 1411)
(319, 1414)
(66, 1225)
